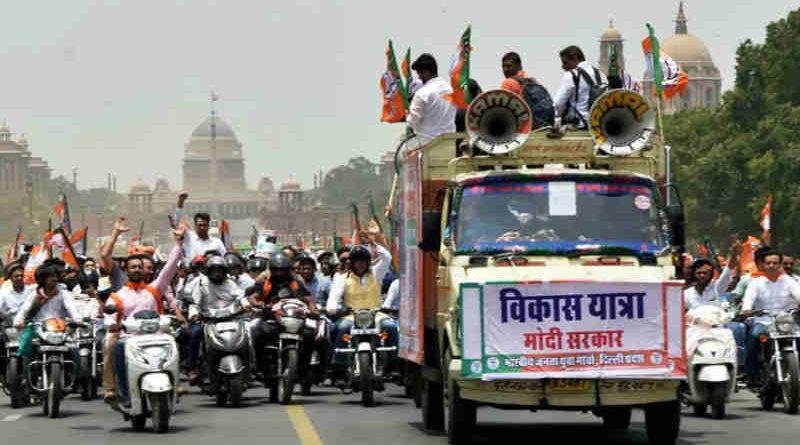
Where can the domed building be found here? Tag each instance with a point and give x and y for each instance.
(140, 198)
(611, 39)
(693, 57)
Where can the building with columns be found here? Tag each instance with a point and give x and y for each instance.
(20, 172)
(693, 57)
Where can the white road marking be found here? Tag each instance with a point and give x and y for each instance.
(11, 417)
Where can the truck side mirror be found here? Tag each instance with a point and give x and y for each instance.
(431, 231)
(677, 227)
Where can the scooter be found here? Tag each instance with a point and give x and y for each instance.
(151, 370)
(228, 352)
(712, 361)
(367, 344)
(11, 379)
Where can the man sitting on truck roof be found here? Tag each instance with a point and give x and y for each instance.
(430, 114)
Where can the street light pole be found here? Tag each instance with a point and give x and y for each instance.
(29, 192)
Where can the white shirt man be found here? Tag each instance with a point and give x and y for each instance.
(392, 300)
(193, 245)
(430, 114)
(763, 294)
(11, 300)
(566, 92)
(379, 270)
(711, 294)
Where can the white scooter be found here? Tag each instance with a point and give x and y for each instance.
(712, 360)
(151, 361)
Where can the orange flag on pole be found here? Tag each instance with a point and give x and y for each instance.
(766, 220)
(748, 262)
(459, 72)
(395, 98)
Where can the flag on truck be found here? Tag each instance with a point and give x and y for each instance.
(61, 210)
(459, 72)
(766, 220)
(668, 79)
(395, 98)
(13, 251)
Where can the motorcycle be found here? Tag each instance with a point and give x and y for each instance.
(367, 350)
(11, 379)
(151, 364)
(51, 375)
(289, 349)
(89, 340)
(712, 361)
(780, 376)
(228, 353)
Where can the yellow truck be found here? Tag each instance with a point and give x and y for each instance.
(537, 268)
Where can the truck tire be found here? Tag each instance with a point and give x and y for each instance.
(718, 392)
(461, 414)
(791, 382)
(662, 422)
(432, 405)
(617, 418)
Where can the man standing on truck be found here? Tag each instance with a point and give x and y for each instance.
(573, 100)
(430, 114)
(359, 289)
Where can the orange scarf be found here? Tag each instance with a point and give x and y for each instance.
(771, 277)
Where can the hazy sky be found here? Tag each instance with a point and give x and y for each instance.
(119, 86)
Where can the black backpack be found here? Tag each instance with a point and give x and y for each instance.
(539, 101)
(596, 86)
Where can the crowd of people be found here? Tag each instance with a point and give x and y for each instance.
(199, 273)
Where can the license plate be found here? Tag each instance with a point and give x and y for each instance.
(44, 348)
(226, 326)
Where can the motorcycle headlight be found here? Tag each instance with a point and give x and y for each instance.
(149, 326)
(363, 319)
(54, 338)
(292, 325)
(11, 333)
(784, 323)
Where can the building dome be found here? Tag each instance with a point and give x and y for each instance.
(611, 34)
(23, 141)
(290, 185)
(140, 187)
(223, 130)
(686, 48)
(162, 185)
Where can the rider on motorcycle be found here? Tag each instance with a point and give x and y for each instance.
(213, 290)
(770, 291)
(11, 298)
(236, 269)
(136, 296)
(359, 289)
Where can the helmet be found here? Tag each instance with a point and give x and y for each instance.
(256, 264)
(216, 261)
(280, 261)
(360, 253)
(233, 260)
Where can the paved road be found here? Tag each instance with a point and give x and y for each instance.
(328, 417)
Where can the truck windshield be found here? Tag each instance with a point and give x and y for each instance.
(557, 216)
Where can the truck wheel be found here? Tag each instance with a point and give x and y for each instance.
(432, 405)
(662, 422)
(791, 382)
(618, 418)
(718, 392)
(461, 414)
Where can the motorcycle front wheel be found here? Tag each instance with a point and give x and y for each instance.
(14, 381)
(288, 376)
(791, 382)
(366, 377)
(87, 382)
(53, 397)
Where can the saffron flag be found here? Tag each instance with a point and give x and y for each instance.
(356, 239)
(668, 79)
(395, 99)
(225, 236)
(39, 253)
(61, 210)
(68, 253)
(748, 263)
(78, 240)
(459, 72)
(13, 251)
(766, 220)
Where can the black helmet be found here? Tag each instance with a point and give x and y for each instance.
(233, 260)
(256, 264)
(280, 261)
(360, 253)
(216, 261)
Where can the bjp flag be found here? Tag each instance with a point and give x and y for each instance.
(459, 72)
(749, 247)
(668, 79)
(395, 98)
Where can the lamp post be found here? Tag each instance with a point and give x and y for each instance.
(29, 192)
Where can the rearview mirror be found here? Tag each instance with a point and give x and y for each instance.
(677, 228)
(431, 230)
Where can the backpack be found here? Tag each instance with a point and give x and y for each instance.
(539, 101)
(596, 87)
